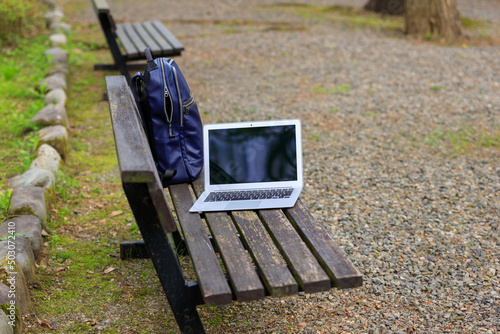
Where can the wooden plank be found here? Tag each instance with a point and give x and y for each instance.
(134, 155)
(303, 264)
(211, 279)
(146, 38)
(331, 257)
(100, 6)
(134, 38)
(176, 44)
(164, 45)
(275, 274)
(126, 42)
(242, 275)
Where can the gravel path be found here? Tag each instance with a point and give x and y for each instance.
(402, 151)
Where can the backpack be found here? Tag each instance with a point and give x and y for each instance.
(171, 120)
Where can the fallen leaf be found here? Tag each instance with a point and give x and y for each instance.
(303, 324)
(90, 272)
(94, 322)
(44, 323)
(60, 269)
(109, 269)
(115, 213)
(411, 330)
(45, 234)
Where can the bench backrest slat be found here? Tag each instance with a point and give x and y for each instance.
(134, 155)
(133, 152)
(100, 6)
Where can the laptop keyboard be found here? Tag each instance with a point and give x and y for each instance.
(245, 195)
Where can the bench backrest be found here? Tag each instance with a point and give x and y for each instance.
(133, 152)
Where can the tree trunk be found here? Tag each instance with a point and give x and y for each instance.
(436, 18)
(391, 7)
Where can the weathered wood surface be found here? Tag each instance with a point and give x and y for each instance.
(242, 275)
(274, 271)
(304, 266)
(133, 153)
(331, 257)
(211, 279)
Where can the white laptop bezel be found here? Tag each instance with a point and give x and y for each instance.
(256, 185)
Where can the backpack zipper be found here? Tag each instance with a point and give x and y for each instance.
(167, 97)
(189, 103)
(178, 93)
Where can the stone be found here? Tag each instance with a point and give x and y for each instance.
(58, 39)
(5, 327)
(30, 226)
(51, 3)
(60, 27)
(57, 56)
(36, 177)
(57, 69)
(14, 279)
(55, 136)
(56, 96)
(52, 114)
(24, 257)
(53, 16)
(54, 81)
(47, 158)
(29, 201)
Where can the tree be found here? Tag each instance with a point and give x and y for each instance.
(432, 18)
(437, 18)
(391, 7)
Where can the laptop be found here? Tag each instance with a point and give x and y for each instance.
(251, 165)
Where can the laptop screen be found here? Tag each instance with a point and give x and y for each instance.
(252, 154)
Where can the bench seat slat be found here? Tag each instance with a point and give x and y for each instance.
(305, 267)
(330, 256)
(242, 275)
(163, 43)
(126, 42)
(211, 279)
(176, 44)
(146, 38)
(134, 37)
(274, 271)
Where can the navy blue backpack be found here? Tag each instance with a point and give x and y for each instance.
(171, 120)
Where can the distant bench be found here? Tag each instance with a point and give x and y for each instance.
(265, 252)
(127, 41)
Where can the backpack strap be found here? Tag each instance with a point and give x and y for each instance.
(149, 57)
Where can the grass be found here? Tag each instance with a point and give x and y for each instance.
(463, 140)
(351, 17)
(20, 69)
(341, 88)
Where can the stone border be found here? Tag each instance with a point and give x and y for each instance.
(33, 191)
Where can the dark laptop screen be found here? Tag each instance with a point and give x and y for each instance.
(254, 154)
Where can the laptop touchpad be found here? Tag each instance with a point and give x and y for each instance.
(242, 205)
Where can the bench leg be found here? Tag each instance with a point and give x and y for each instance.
(182, 297)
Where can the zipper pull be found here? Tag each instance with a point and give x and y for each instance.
(170, 131)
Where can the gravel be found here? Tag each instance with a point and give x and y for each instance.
(401, 142)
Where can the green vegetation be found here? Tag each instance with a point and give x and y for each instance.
(351, 17)
(462, 140)
(20, 69)
(342, 88)
(18, 18)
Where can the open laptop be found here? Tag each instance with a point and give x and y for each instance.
(251, 165)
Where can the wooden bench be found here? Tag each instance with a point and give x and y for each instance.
(127, 41)
(264, 253)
